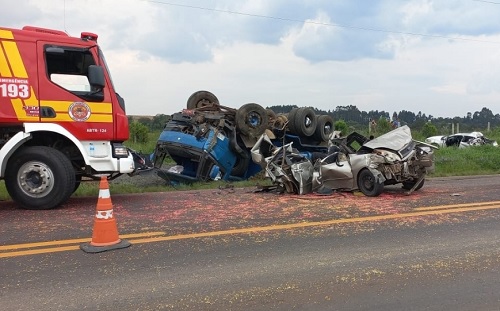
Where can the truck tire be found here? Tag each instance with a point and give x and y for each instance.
(291, 118)
(241, 166)
(252, 120)
(280, 121)
(39, 178)
(304, 122)
(324, 128)
(201, 99)
(368, 185)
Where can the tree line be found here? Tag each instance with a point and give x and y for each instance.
(351, 117)
(355, 118)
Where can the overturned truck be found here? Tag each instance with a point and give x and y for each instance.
(209, 141)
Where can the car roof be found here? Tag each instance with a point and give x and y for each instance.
(475, 134)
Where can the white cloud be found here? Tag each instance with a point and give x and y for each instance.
(159, 54)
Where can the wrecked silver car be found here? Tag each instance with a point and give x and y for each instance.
(351, 163)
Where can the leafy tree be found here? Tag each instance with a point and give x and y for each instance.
(146, 121)
(383, 126)
(158, 122)
(341, 126)
(429, 129)
(138, 132)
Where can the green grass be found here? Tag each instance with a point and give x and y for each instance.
(479, 160)
(147, 147)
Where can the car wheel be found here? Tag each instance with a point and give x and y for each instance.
(407, 185)
(368, 185)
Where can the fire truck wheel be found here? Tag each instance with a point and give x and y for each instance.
(324, 128)
(305, 121)
(39, 177)
(202, 99)
(252, 120)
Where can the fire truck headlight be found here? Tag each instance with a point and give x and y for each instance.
(120, 151)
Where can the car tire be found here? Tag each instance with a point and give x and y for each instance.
(407, 185)
(368, 184)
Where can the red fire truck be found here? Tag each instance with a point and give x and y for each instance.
(60, 117)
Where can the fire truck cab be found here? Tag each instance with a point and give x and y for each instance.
(60, 117)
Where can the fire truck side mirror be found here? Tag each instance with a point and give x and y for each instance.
(96, 77)
(96, 81)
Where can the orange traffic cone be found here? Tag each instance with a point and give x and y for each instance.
(105, 233)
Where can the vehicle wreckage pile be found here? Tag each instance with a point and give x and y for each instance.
(299, 151)
(351, 163)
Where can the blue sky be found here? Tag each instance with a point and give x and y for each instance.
(439, 57)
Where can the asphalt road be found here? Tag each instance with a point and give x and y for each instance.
(233, 249)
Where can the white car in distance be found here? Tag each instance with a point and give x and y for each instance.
(461, 140)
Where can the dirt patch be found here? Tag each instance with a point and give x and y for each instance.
(143, 179)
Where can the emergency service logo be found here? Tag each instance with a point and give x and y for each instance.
(79, 111)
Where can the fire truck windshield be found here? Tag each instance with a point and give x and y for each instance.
(121, 101)
(103, 59)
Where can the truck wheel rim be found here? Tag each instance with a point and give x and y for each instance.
(308, 122)
(35, 179)
(254, 120)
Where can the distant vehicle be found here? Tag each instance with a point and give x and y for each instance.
(461, 140)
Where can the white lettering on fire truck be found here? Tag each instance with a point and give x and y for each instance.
(101, 130)
(14, 90)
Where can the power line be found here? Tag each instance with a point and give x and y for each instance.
(324, 24)
(491, 2)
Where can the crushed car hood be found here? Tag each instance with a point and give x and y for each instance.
(396, 139)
